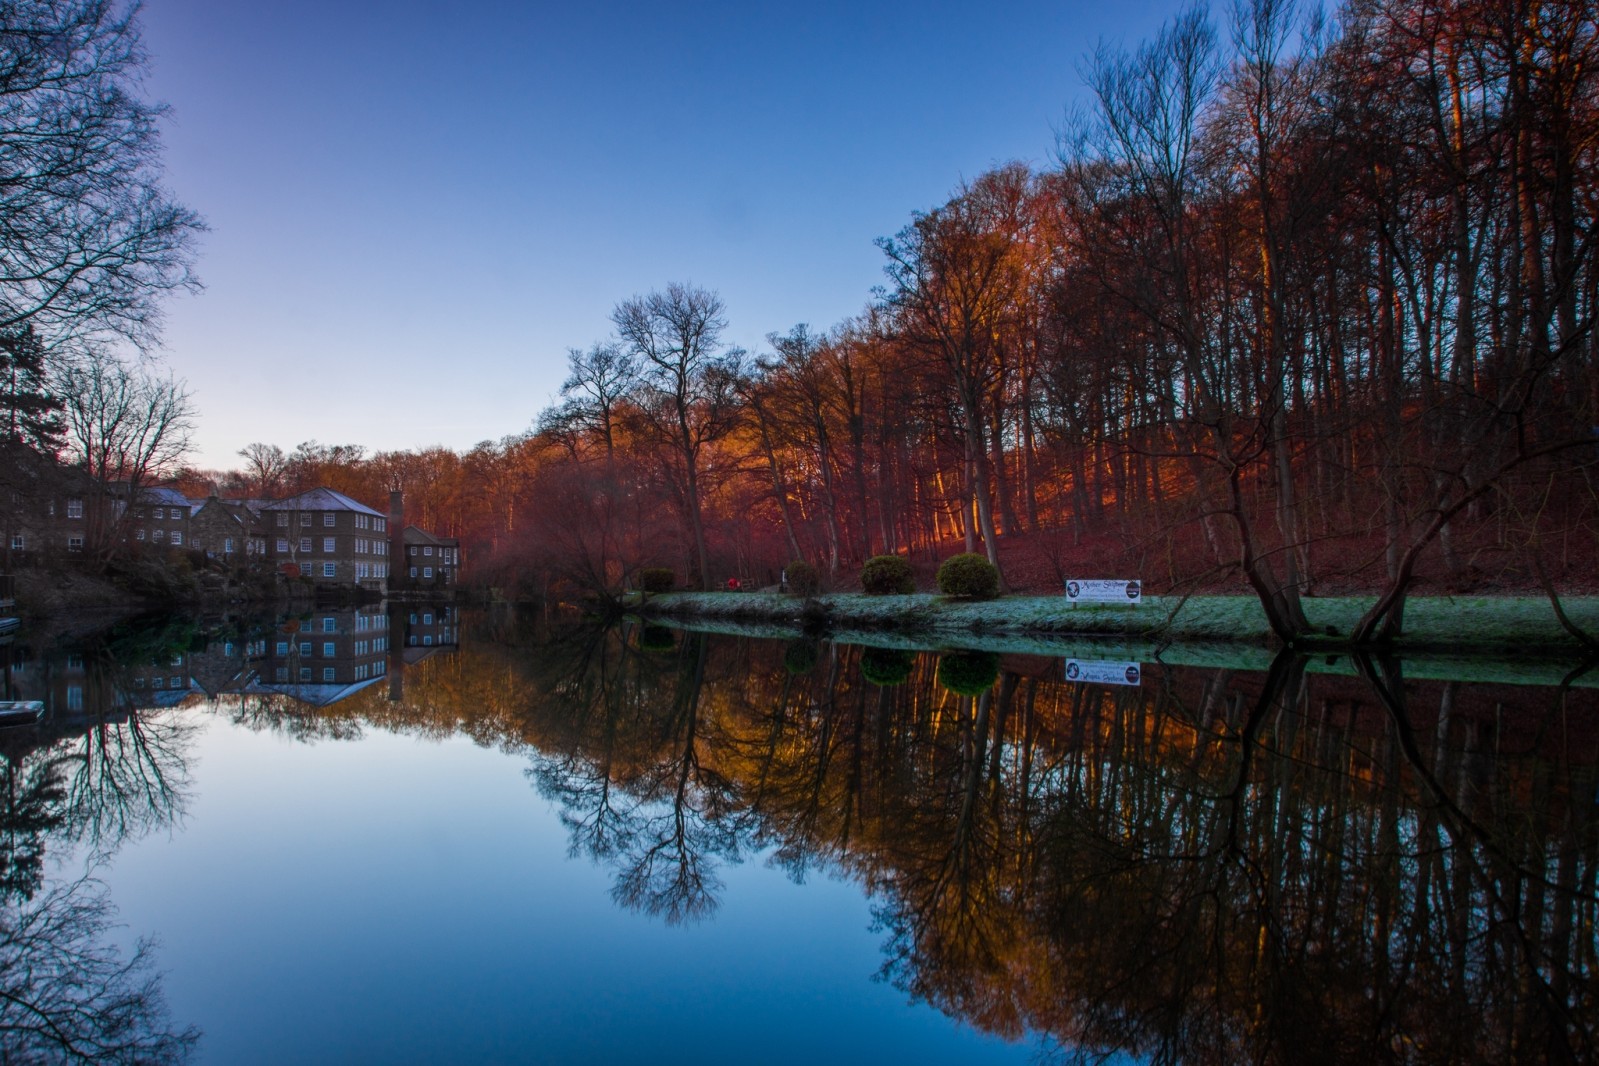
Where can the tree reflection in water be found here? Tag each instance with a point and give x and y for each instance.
(67, 992)
(1211, 868)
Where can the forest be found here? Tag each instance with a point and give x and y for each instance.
(1302, 305)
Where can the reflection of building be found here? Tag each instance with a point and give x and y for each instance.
(327, 656)
(428, 628)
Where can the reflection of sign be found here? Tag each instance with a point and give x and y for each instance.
(1118, 591)
(1100, 672)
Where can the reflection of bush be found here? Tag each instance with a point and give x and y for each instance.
(886, 667)
(656, 638)
(968, 673)
(888, 575)
(800, 656)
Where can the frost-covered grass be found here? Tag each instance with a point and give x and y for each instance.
(1524, 626)
(1547, 666)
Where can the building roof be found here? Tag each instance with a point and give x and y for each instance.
(413, 535)
(323, 499)
(163, 497)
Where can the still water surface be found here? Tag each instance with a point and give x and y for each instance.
(404, 836)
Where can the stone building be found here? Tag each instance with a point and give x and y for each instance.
(328, 537)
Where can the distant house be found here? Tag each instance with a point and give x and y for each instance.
(229, 531)
(328, 537)
(430, 562)
(159, 518)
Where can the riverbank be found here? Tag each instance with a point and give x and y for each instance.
(1521, 626)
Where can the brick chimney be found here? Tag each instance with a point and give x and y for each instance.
(396, 543)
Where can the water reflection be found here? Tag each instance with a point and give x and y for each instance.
(1209, 866)
(1206, 868)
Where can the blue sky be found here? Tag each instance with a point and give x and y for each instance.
(416, 209)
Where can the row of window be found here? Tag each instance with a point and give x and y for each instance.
(329, 518)
(330, 649)
(446, 555)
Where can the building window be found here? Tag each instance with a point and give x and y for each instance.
(427, 571)
(305, 544)
(281, 673)
(159, 513)
(305, 673)
(17, 542)
(411, 552)
(283, 520)
(327, 649)
(138, 534)
(305, 519)
(329, 569)
(177, 536)
(227, 546)
(413, 571)
(305, 648)
(283, 647)
(330, 624)
(327, 673)
(327, 545)
(283, 545)
(327, 518)
(158, 682)
(159, 536)
(383, 524)
(74, 544)
(74, 508)
(74, 697)
(427, 619)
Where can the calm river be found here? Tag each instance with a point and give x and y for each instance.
(404, 835)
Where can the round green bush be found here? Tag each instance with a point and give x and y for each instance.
(886, 667)
(800, 656)
(803, 580)
(656, 579)
(656, 638)
(968, 673)
(968, 575)
(888, 575)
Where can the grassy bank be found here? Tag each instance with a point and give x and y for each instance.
(1522, 627)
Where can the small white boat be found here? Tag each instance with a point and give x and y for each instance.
(20, 712)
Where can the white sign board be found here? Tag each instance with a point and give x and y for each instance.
(1101, 672)
(1081, 591)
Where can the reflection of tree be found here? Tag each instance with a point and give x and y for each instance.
(66, 994)
(1209, 868)
(634, 790)
(32, 809)
(127, 778)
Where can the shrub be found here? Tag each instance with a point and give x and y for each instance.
(888, 575)
(656, 638)
(800, 656)
(803, 580)
(968, 575)
(886, 667)
(656, 579)
(968, 673)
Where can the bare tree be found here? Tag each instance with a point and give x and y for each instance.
(688, 395)
(124, 424)
(90, 240)
(264, 466)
